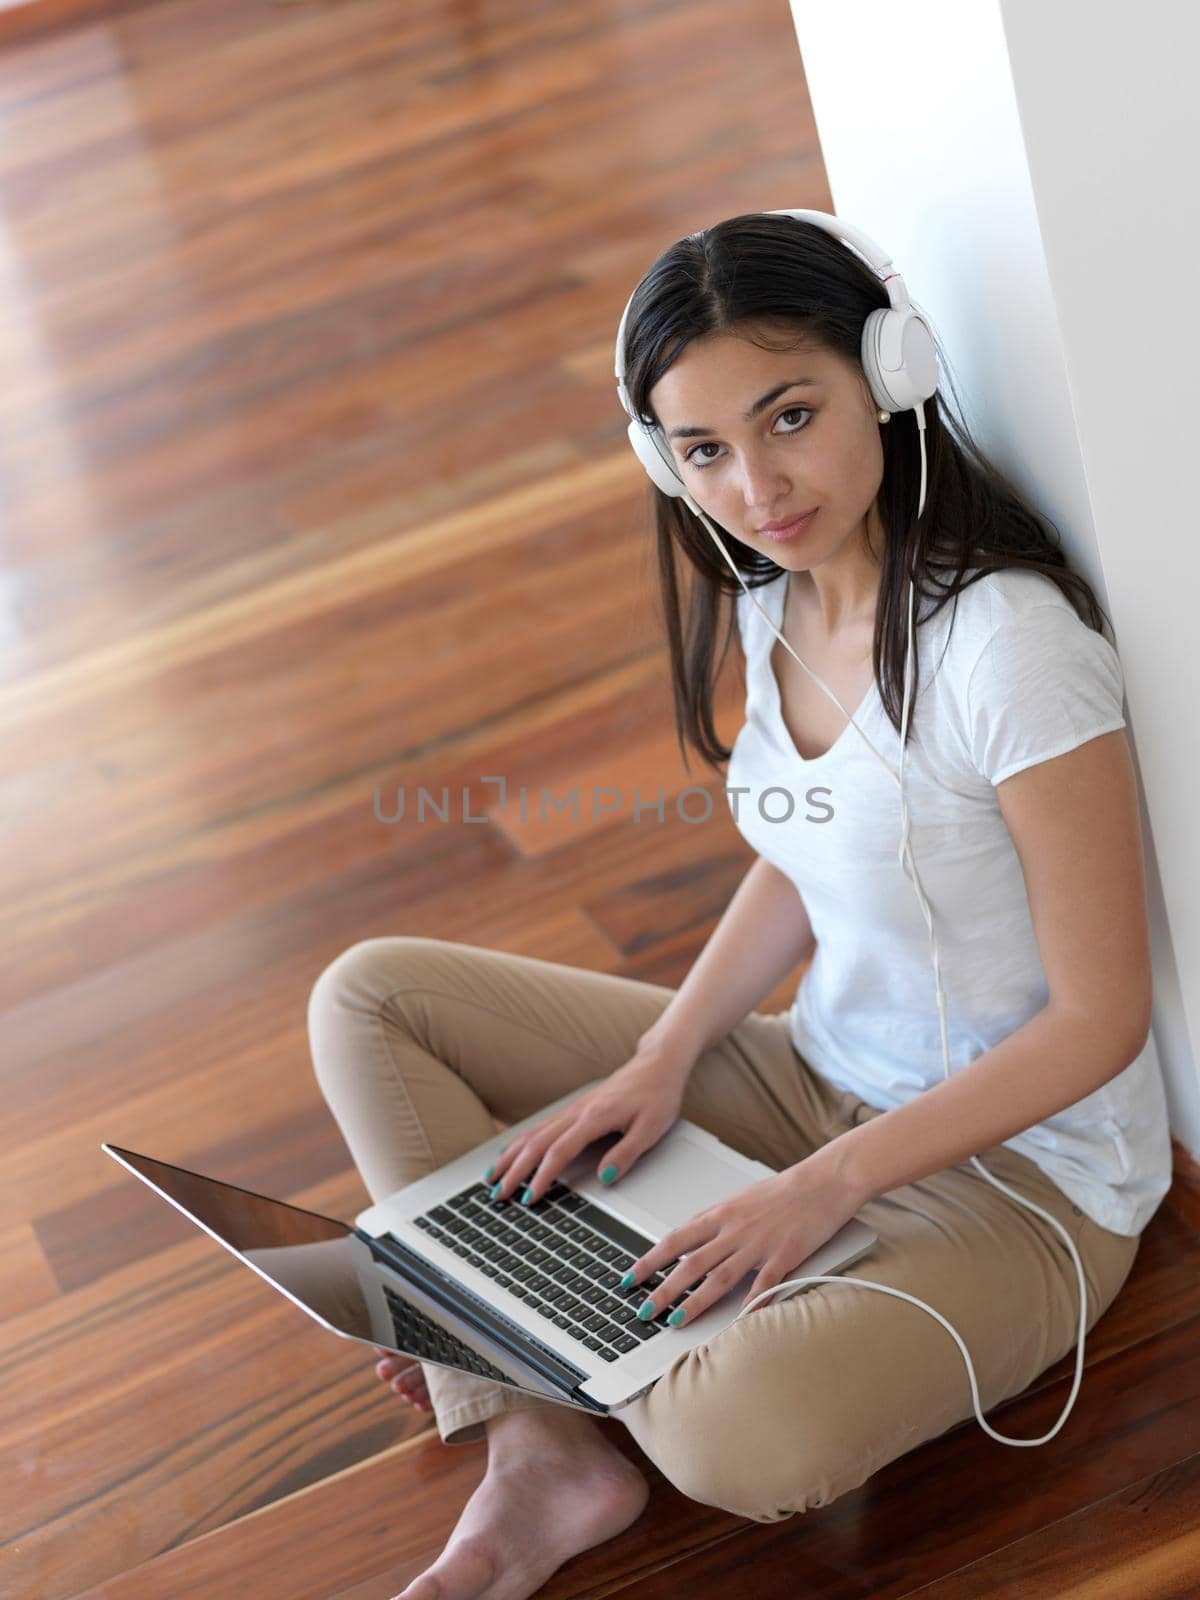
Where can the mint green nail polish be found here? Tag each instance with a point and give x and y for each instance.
(495, 1189)
(677, 1316)
(526, 1195)
(487, 1177)
(626, 1281)
(608, 1174)
(646, 1310)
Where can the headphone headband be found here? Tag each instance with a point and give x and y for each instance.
(898, 353)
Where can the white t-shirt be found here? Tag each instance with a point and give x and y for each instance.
(1019, 679)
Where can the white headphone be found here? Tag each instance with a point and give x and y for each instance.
(899, 360)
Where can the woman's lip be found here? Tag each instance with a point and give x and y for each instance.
(792, 529)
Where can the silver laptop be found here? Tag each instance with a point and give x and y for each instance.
(523, 1295)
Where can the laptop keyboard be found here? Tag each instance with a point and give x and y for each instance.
(420, 1335)
(564, 1258)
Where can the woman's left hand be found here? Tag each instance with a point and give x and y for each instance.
(773, 1226)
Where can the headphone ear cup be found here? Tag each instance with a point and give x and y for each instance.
(899, 358)
(662, 473)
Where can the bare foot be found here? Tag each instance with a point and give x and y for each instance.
(554, 1487)
(404, 1377)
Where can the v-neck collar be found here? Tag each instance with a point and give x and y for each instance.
(774, 598)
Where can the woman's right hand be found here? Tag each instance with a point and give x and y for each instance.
(640, 1100)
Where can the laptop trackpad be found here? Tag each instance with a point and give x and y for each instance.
(685, 1172)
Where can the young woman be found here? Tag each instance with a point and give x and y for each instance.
(743, 345)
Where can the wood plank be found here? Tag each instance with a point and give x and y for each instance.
(638, 777)
(88, 925)
(1186, 1188)
(63, 698)
(1141, 1543)
(25, 1271)
(27, 19)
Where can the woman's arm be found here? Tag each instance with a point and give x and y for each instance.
(1075, 827)
(763, 934)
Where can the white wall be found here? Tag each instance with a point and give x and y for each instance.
(1030, 167)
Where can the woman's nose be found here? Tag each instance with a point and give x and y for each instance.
(763, 486)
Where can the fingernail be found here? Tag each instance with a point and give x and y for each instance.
(608, 1174)
(646, 1310)
(526, 1195)
(677, 1317)
(627, 1281)
(495, 1189)
(487, 1177)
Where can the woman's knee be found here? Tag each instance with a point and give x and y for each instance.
(1107, 1260)
(354, 985)
(367, 971)
(728, 1435)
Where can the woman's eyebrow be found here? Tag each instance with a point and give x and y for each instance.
(759, 405)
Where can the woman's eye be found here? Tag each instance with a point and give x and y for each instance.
(790, 411)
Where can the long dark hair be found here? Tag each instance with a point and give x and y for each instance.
(760, 268)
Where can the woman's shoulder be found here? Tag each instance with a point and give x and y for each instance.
(1014, 591)
(1042, 680)
(994, 596)
(1012, 609)
(988, 601)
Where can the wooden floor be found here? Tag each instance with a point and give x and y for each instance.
(313, 486)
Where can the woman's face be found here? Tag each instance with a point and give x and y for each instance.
(814, 444)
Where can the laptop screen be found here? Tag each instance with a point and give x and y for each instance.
(310, 1257)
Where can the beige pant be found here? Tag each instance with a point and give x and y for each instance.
(421, 1044)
